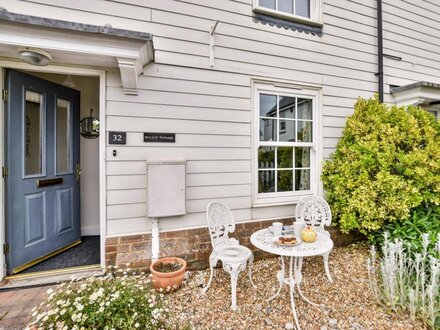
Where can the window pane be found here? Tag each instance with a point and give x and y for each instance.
(285, 181)
(304, 131)
(268, 3)
(287, 107)
(33, 133)
(288, 133)
(268, 129)
(285, 157)
(305, 109)
(302, 157)
(302, 179)
(268, 105)
(302, 8)
(266, 181)
(286, 6)
(63, 136)
(266, 157)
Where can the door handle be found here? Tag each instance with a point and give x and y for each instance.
(77, 172)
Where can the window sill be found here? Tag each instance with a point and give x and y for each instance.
(288, 17)
(280, 200)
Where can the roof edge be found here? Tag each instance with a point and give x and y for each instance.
(414, 85)
(108, 30)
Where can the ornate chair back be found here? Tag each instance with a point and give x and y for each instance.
(314, 211)
(220, 224)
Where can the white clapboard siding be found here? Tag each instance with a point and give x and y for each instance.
(117, 9)
(211, 179)
(218, 166)
(210, 109)
(337, 111)
(160, 97)
(124, 168)
(191, 87)
(184, 73)
(189, 153)
(126, 211)
(199, 205)
(143, 110)
(215, 192)
(130, 196)
(123, 15)
(129, 226)
(118, 227)
(118, 182)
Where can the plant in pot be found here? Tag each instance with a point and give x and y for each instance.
(167, 273)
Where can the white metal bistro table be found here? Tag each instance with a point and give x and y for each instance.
(264, 240)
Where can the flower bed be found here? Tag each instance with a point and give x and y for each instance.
(119, 300)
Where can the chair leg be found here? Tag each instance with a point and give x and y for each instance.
(234, 269)
(212, 263)
(251, 263)
(327, 270)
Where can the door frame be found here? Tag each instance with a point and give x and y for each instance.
(55, 69)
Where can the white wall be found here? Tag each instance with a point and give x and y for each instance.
(210, 109)
(89, 151)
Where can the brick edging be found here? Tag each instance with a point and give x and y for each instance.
(193, 245)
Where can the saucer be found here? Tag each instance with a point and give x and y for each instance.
(278, 242)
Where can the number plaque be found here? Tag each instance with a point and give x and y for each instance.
(117, 137)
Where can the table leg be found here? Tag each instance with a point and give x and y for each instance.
(291, 289)
(280, 277)
(298, 279)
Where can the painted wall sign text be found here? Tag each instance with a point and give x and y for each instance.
(160, 137)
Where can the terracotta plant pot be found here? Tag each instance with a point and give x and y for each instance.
(168, 281)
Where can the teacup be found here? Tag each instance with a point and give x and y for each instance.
(298, 226)
(277, 228)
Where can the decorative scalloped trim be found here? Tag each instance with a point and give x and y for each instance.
(267, 20)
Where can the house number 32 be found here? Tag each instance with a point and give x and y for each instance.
(117, 137)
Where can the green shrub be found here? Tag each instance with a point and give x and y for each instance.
(110, 302)
(386, 164)
(410, 230)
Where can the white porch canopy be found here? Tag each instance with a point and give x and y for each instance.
(79, 44)
(421, 93)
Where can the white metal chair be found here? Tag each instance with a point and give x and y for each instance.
(314, 211)
(233, 256)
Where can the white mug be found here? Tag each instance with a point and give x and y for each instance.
(298, 227)
(277, 228)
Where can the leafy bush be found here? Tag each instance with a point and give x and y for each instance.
(386, 164)
(421, 221)
(408, 281)
(110, 302)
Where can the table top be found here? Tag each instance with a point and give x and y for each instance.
(263, 240)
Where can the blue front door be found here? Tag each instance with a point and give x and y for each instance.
(42, 188)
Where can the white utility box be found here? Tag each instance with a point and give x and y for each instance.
(166, 188)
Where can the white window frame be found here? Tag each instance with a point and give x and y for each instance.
(293, 90)
(315, 13)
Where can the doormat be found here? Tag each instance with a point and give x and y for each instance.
(86, 253)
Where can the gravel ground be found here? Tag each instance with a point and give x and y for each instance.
(348, 303)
